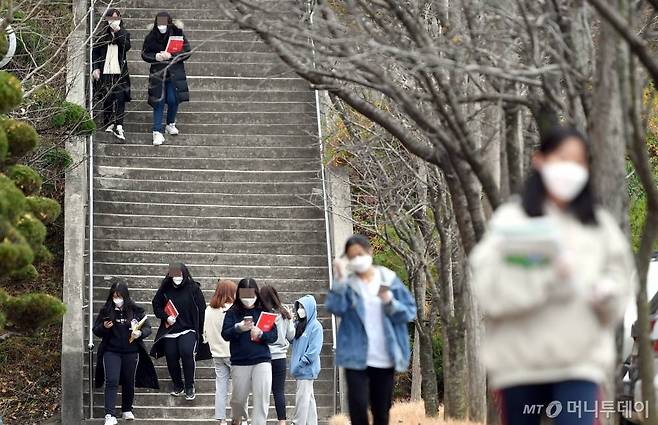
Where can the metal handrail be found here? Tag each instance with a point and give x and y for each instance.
(90, 209)
(325, 194)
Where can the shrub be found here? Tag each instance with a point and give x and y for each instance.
(45, 96)
(4, 145)
(12, 200)
(75, 118)
(14, 255)
(11, 92)
(24, 274)
(22, 137)
(32, 311)
(32, 229)
(58, 158)
(45, 209)
(26, 178)
(43, 255)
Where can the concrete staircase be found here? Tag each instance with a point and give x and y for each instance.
(233, 196)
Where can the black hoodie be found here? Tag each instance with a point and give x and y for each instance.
(192, 309)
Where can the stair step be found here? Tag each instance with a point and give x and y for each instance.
(134, 19)
(293, 288)
(202, 152)
(151, 208)
(209, 163)
(232, 84)
(232, 129)
(239, 246)
(205, 106)
(232, 34)
(194, 412)
(134, 57)
(169, 221)
(206, 175)
(200, 66)
(255, 92)
(262, 200)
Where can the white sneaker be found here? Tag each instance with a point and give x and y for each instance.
(158, 138)
(128, 416)
(110, 420)
(110, 128)
(171, 129)
(118, 133)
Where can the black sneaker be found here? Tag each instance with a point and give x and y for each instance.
(190, 394)
(177, 392)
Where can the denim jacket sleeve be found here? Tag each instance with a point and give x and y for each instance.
(402, 309)
(337, 302)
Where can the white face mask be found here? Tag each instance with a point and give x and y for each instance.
(301, 313)
(564, 179)
(361, 264)
(162, 29)
(115, 25)
(118, 302)
(249, 302)
(178, 280)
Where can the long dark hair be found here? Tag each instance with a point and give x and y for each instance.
(247, 283)
(129, 306)
(534, 193)
(300, 325)
(168, 281)
(272, 302)
(103, 30)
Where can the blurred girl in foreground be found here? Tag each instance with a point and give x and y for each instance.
(552, 276)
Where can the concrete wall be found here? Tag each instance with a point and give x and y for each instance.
(340, 216)
(75, 198)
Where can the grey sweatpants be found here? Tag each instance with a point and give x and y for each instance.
(222, 375)
(306, 412)
(256, 379)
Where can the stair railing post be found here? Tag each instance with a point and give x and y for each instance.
(310, 9)
(90, 208)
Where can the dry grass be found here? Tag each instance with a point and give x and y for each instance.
(406, 414)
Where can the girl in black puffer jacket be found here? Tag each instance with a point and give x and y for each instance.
(167, 79)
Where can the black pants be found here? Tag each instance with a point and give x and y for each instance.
(119, 368)
(177, 350)
(371, 386)
(279, 387)
(114, 101)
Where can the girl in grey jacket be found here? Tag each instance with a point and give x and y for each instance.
(279, 350)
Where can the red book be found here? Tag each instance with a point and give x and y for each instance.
(175, 44)
(171, 310)
(266, 321)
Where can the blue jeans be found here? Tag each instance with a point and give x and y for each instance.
(567, 403)
(171, 99)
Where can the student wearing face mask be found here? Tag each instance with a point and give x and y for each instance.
(122, 358)
(305, 363)
(111, 76)
(220, 303)
(251, 369)
(167, 78)
(375, 309)
(181, 307)
(279, 350)
(553, 275)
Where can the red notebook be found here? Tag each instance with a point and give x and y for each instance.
(171, 310)
(175, 44)
(266, 321)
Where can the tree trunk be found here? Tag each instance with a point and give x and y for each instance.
(416, 372)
